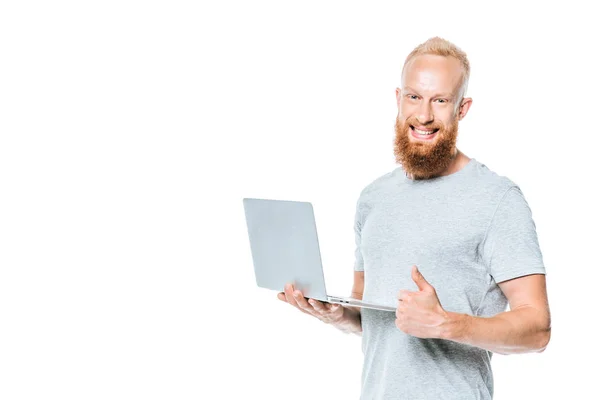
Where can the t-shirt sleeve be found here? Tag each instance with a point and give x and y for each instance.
(358, 257)
(511, 248)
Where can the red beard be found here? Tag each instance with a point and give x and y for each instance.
(425, 160)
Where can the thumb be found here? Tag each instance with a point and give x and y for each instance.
(420, 280)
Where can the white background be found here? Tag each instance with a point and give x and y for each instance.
(131, 131)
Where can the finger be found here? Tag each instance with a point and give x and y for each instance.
(401, 310)
(302, 303)
(281, 296)
(403, 295)
(317, 305)
(289, 294)
(420, 280)
(331, 307)
(293, 297)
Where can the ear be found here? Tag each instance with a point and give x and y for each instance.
(398, 95)
(463, 109)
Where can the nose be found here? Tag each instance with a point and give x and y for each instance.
(424, 115)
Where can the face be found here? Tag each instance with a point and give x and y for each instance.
(429, 108)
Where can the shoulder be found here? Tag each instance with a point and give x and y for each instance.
(377, 184)
(372, 192)
(489, 183)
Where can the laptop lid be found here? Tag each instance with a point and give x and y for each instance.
(284, 245)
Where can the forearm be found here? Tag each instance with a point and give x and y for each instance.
(350, 321)
(523, 330)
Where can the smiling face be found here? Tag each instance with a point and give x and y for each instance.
(430, 104)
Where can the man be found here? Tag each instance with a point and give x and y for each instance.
(447, 241)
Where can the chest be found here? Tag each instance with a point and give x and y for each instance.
(442, 239)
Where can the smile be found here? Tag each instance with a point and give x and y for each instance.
(423, 135)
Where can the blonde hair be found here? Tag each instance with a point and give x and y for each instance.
(441, 47)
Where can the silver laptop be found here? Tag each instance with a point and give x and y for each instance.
(285, 249)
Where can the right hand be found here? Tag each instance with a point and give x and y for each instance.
(326, 312)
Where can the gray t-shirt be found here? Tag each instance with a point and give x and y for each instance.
(466, 232)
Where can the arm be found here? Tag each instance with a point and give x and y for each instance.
(523, 329)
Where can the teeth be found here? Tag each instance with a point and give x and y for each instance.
(420, 132)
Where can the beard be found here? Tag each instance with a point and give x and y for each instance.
(425, 159)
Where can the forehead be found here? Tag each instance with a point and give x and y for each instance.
(433, 73)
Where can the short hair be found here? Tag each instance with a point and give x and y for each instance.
(441, 47)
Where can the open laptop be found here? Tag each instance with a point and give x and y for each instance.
(285, 249)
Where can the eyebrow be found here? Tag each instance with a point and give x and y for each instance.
(437, 95)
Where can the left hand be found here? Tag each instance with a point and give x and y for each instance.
(420, 313)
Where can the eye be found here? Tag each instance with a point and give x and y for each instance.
(411, 96)
(441, 100)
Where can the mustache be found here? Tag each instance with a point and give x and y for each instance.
(435, 124)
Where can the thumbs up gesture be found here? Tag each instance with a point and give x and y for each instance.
(420, 313)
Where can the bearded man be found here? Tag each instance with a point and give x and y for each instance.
(446, 241)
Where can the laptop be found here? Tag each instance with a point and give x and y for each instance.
(285, 249)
